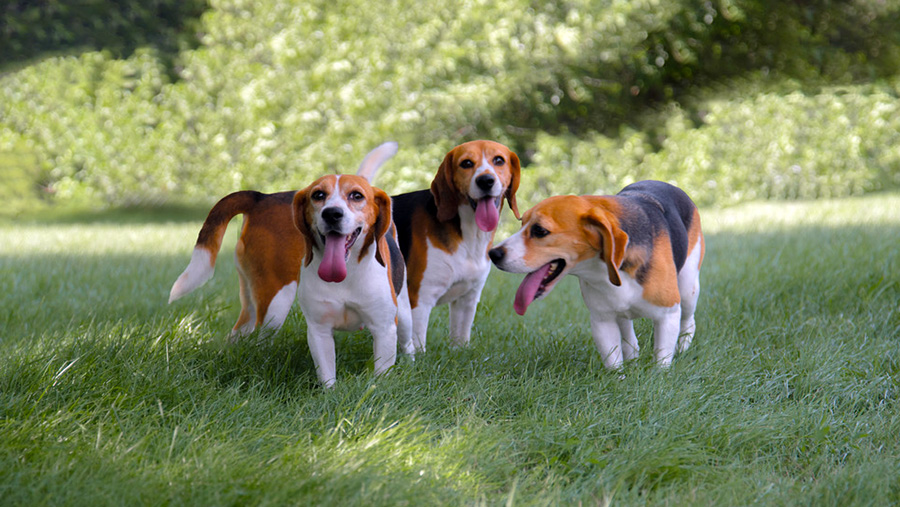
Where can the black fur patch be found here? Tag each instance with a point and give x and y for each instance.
(651, 207)
(398, 268)
(404, 208)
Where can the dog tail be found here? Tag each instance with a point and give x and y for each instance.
(375, 159)
(209, 241)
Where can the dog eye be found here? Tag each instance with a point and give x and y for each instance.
(467, 164)
(538, 232)
(498, 160)
(356, 196)
(318, 195)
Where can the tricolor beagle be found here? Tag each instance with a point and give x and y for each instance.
(636, 254)
(353, 272)
(445, 233)
(268, 254)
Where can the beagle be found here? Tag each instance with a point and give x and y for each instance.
(268, 254)
(445, 233)
(636, 254)
(353, 274)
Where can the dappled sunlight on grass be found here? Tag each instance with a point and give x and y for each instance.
(881, 209)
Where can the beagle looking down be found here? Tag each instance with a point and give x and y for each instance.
(353, 272)
(636, 254)
(267, 255)
(445, 233)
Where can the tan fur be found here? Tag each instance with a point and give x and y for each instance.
(694, 233)
(451, 181)
(376, 207)
(661, 284)
(449, 190)
(581, 230)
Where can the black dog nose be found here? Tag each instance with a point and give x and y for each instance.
(332, 215)
(497, 254)
(485, 182)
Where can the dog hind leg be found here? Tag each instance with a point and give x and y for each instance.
(630, 347)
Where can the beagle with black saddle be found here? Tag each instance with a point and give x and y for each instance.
(635, 254)
(445, 233)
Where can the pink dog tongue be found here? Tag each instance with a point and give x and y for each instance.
(486, 214)
(528, 289)
(333, 267)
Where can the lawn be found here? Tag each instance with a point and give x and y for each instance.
(790, 394)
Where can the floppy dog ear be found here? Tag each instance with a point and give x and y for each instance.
(382, 203)
(609, 239)
(301, 222)
(513, 184)
(446, 197)
(383, 220)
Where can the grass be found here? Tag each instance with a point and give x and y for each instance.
(789, 395)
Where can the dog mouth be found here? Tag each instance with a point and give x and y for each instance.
(537, 283)
(487, 211)
(333, 267)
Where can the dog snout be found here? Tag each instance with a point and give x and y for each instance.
(497, 254)
(333, 215)
(485, 182)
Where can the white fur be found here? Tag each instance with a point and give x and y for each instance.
(362, 299)
(197, 272)
(613, 308)
(350, 220)
(456, 279)
(368, 168)
(485, 168)
(280, 306)
(200, 268)
(689, 288)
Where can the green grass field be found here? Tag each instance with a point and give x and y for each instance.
(789, 396)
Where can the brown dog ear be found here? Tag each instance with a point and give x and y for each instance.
(301, 222)
(383, 220)
(513, 184)
(610, 240)
(379, 228)
(446, 197)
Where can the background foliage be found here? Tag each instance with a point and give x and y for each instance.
(734, 99)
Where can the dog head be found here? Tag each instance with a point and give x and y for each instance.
(556, 235)
(478, 174)
(333, 213)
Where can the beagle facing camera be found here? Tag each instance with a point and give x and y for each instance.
(445, 233)
(635, 254)
(353, 273)
(268, 253)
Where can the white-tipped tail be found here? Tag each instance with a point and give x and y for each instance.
(199, 270)
(375, 159)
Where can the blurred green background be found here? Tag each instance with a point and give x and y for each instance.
(133, 103)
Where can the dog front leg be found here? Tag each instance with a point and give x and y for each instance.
(608, 340)
(321, 346)
(462, 316)
(384, 345)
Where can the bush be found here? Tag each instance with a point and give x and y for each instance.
(31, 27)
(282, 91)
(769, 145)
